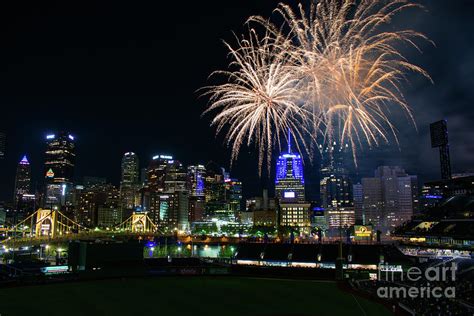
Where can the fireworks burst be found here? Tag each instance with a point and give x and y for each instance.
(258, 103)
(336, 68)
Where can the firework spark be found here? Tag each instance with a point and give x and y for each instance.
(350, 69)
(258, 103)
(334, 72)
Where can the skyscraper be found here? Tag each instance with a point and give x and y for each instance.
(59, 167)
(176, 217)
(234, 195)
(358, 193)
(156, 172)
(166, 196)
(3, 141)
(221, 194)
(60, 158)
(155, 185)
(290, 191)
(22, 180)
(196, 178)
(196, 181)
(439, 138)
(335, 185)
(97, 204)
(129, 183)
(336, 189)
(389, 198)
(289, 183)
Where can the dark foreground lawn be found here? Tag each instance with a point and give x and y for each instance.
(193, 296)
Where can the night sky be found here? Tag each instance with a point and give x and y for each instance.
(122, 76)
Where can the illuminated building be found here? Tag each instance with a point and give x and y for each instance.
(289, 183)
(166, 196)
(358, 193)
(197, 207)
(196, 179)
(22, 180)
(336, 191)
(97, 205)
(3, 141)
(60, 158)
(156, 172)
(129, 184)
(59, 167)
(389, 198)
(214, 189)
(196, 188)
(234, 195)
(318, 218)
(175, 186)
(295, 215)
(439, 139)
(290, 190)
(221, 194)
(340, 217)
(109, 214)
(335, 184)
(155, 185)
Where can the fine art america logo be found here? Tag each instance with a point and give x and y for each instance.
(414, 283)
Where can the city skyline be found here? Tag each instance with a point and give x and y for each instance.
(309, 146)
(42, 110)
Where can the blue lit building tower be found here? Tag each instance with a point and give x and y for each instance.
(289, 182)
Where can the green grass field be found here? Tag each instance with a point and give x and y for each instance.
(193, 296)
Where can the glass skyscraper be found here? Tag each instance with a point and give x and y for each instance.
(59, 167)
(129, 183)
(196, 179)
(60, 158)
(335, 183)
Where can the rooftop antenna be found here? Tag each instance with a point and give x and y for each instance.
(289, 141)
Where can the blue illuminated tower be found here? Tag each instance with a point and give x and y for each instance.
(289, 182)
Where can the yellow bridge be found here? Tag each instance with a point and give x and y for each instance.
(51, 223)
